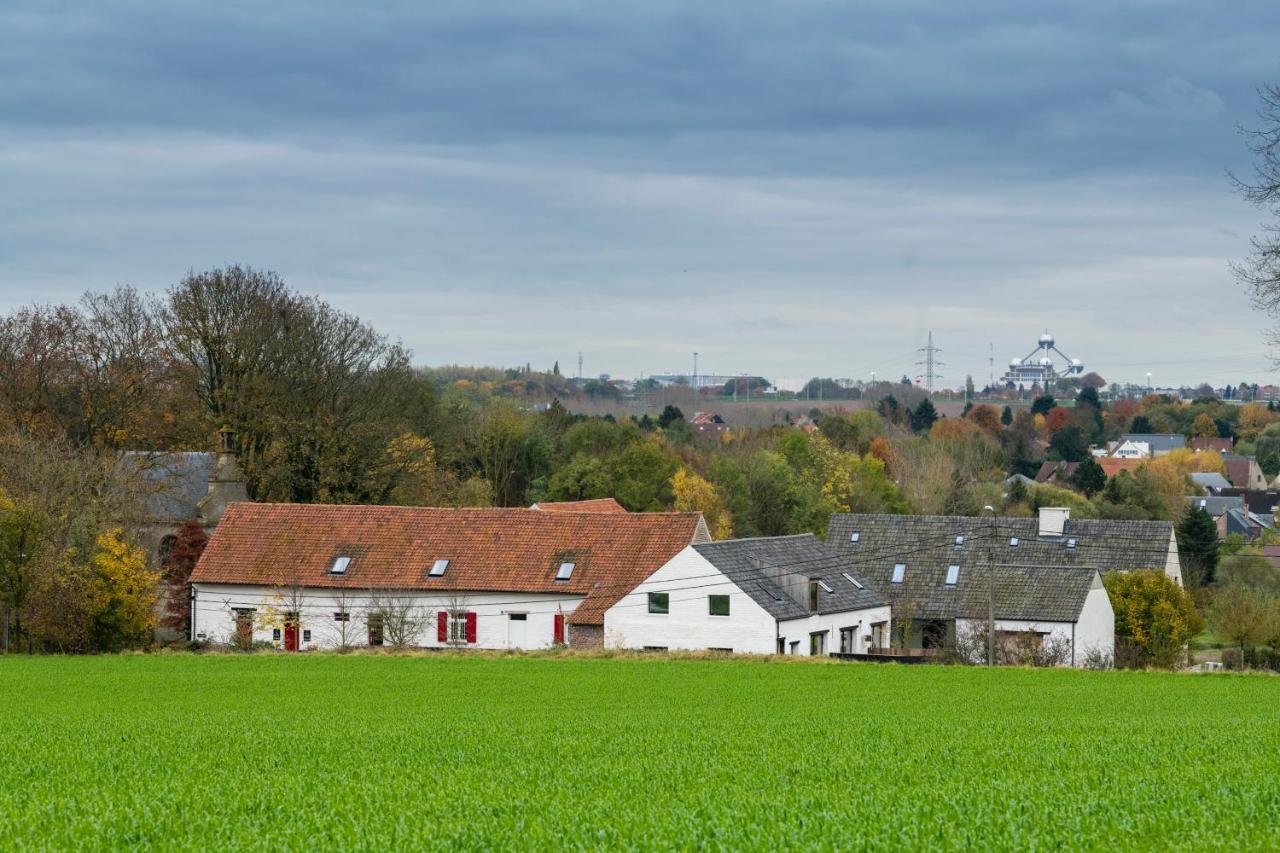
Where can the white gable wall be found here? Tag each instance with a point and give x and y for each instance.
(688, 578)
(213, 615)
(1172, 565)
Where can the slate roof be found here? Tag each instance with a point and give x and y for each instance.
(489, 550)
(1210, 480)
(746, 563)
(175, 482)
(1216, 505)
(592, 505)
(1039, 579)
(1158, 442)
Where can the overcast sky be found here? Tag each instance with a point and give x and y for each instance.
(789, 189)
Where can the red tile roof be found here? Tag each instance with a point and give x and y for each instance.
(489, 550)
(594, 505)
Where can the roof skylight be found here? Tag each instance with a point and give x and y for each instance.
(1013, 542)
(959, 540)
(824, 586)
(899, 570)
(953, 574)
(851, 579)
(339, 566)
(438, 567)
(565, 571)
(855, 536)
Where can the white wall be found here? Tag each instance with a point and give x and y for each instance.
(800, 629)
(1096, 629)
(213, 617)
(689, 579)
(1172, 565)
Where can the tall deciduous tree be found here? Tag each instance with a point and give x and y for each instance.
(1155, 618)
(1260, 272)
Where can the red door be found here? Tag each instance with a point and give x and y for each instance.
(291, 635)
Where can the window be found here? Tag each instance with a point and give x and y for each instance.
(1071, 543)
(659, 602)
(1013, 542)
(721, 650)
(818, 643)
(899, 571)
(565, 571)
(851, 579)
(518, 617)
(339, 566)
(306, 635)
(853, 537)
(813, 596)
(824, 586)
(959, 541)
(953, 574)
(438, 567)
(458, 626)
(655, 648)
(374, 621)
(342, 616)
(847, 640)
(795, 647)
(718, 605)
(782, 645)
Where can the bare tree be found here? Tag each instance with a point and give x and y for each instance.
(398, 616)
(344, 631)
(1260, 273)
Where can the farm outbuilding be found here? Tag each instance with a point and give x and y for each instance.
(315, 576)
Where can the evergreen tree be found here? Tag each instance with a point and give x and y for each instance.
(1089, 477)
(1006, 417)
(1140, 425)
(555, 369)
(924, 416)
(1069, 444)
(669, 415)
(1198, 545)
(1042, 404)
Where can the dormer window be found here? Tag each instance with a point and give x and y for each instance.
(854, 537)
(438, 568)
(953, 575)
(565, 571)
(339, 566)
(899, 572)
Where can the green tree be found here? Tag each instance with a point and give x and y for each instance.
(1043, 404)
(642, 474)
(669, 415)
(1141, 426)
(1069, 444)
(1006, 416)
(1197, 535)
(1240, 615)
(1155, 618)
(1089, 477)
(1267, 449)
(924, 416)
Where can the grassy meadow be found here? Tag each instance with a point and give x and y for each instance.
(433, 751)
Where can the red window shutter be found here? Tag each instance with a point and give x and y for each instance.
(471, 627)
(559, 629)
(442, 626)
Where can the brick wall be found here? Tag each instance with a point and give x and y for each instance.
(586, 636)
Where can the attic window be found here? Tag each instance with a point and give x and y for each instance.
(1013, 542)
(959, 540)
(953, 574)
(565, 571)
(899, 570)
(339, 566)
(851, 579)
(438, 567)
(824, 586)
(1071, 543)
(853, 537)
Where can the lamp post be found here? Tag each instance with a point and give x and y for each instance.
(991, 589)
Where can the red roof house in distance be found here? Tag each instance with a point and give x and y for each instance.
(592, 505)
(315, 576)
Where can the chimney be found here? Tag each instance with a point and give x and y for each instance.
(1053, 520)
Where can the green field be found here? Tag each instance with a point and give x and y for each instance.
(320, 752)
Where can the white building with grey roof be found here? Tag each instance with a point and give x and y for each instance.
(777, 595)
(1041, 576)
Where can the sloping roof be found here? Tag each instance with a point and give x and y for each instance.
(489, 550)
(1216, 505)
(1060, 472)
(1210, 480)
(746, 562)
(1222, 445)
(1158, 442)
(1238, 469)
(593, 505)
(1257, 500)
(175, 482)
(1042, 578)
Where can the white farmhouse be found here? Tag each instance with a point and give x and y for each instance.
(311, 576)
(783, 595)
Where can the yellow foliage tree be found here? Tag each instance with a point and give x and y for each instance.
(694, 494)
(1189, 462)
(122, 593)
(1253, 417)
(1203, 426)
